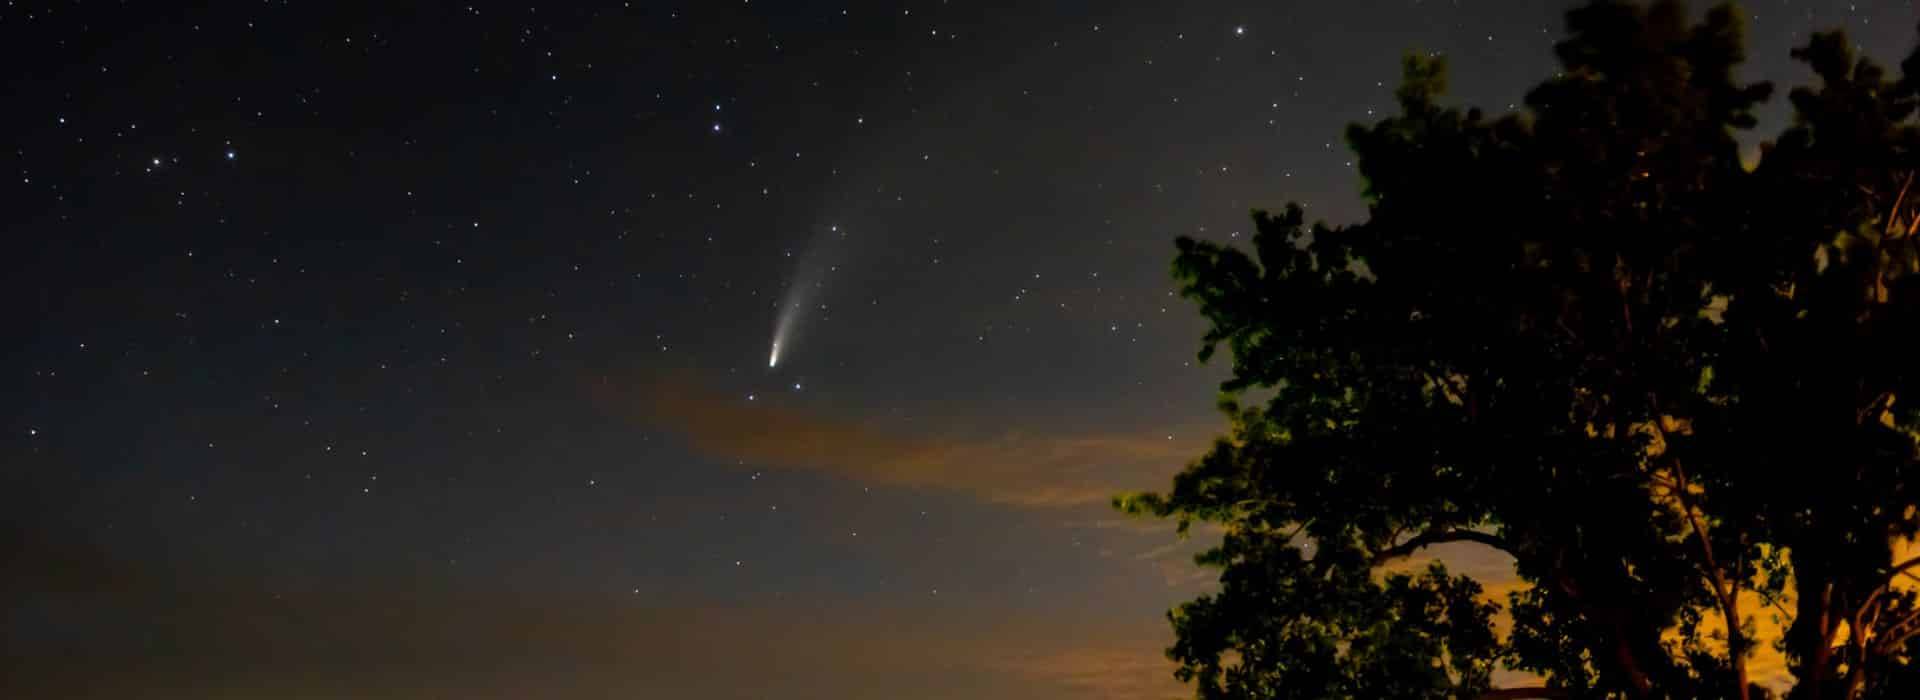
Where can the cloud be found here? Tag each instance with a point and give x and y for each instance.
(1011, 467)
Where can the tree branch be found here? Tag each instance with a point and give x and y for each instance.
(1879, 291)
(1538, 691)
(1872, 407)
(1898, 634)
(1829, 629)
(1439, 536)
(1898, 570)
(1725, 592)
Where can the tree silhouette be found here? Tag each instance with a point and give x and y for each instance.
(1676, 387)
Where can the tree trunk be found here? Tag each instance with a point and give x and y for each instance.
(1856, 686)
(1736, 644)
(1627, 654)
(1822, 657)
(1613, 637)
(1812, 625)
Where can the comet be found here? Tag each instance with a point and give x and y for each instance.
(790, 309)
(809, 277)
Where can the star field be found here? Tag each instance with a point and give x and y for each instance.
(394, 351)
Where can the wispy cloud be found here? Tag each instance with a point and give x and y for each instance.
(1014, 467)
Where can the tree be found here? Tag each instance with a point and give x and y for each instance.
(1668, 383)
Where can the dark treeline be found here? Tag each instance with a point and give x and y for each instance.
(1675, 385)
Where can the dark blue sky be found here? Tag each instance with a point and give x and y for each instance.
(421, 351)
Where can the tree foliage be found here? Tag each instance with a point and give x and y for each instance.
(1676, 386)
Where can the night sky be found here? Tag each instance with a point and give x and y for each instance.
(409, 352)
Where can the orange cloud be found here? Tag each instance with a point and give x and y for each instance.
(1011, 467)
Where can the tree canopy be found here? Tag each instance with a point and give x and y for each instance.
(1676, 385)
